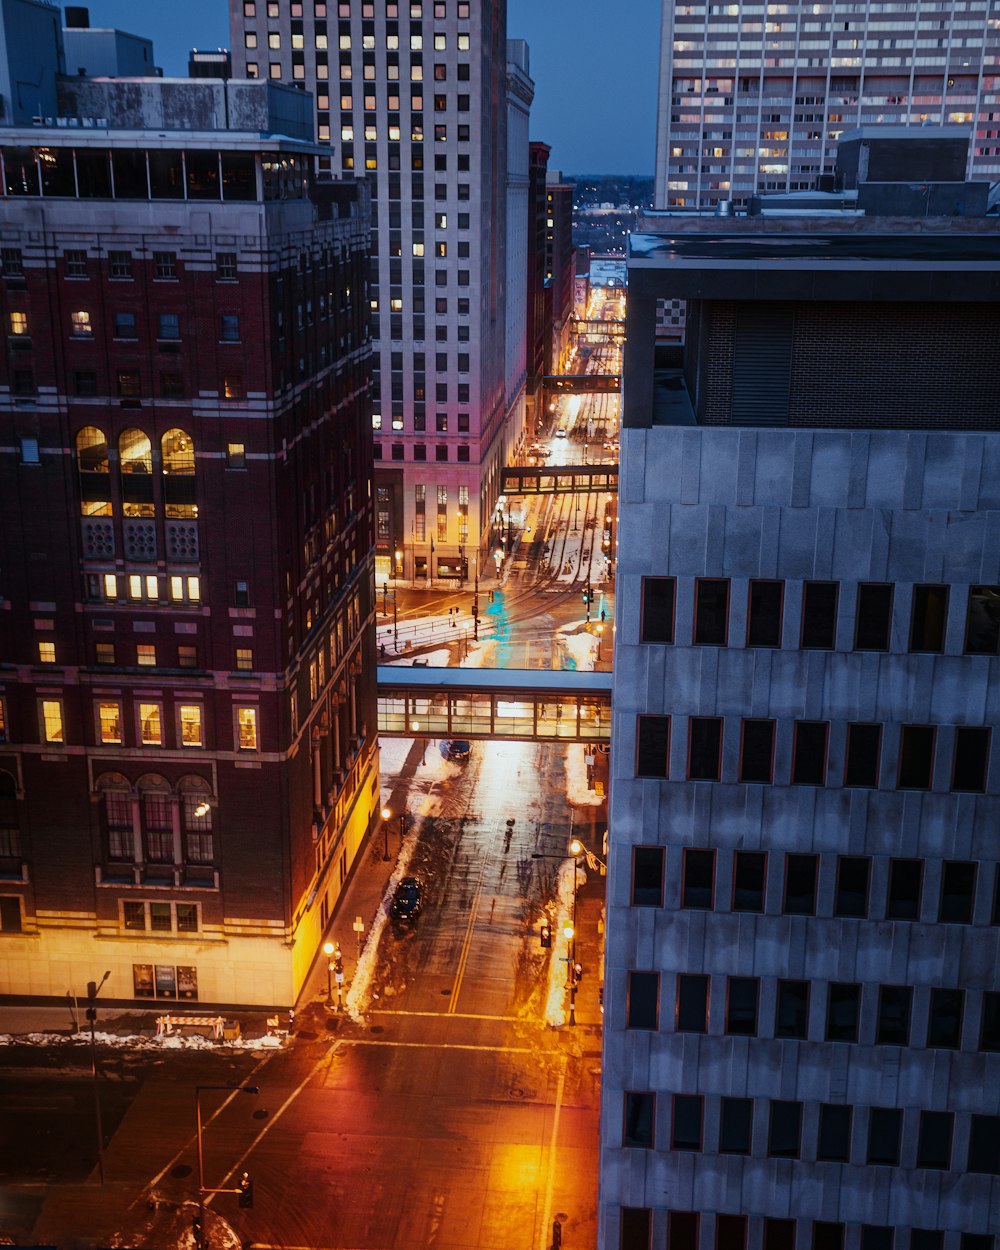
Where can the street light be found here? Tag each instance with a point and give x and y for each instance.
(600, 631)
(386, 817)
(93, 989)
(328, 952)
(202, 1191)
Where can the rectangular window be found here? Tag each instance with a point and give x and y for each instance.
(705, 748)
(229, 328)
(134, 916)
(682, 1230)
(827, 1236)
(785, 1129)
(165, 264)
(929, 1239)
(76, 264)
(246, 724)
(989, 1034)
(647, 876)
(893, 1027)
(150, 725)
(711, 611)
(982, 624)
(843, 1008)
(958, 892)
(764, 605)
(187, 657)
(232, 386)
(928, 618)
(800, 885)
(189, 716)
(18, 324)
(735, 1124)
(984, 1145)
(52, 720)
(687, 1117)
(876, 1237)
(779, 1234)
(916, 757)
(640, 1116)
(120, 264)
(225, 266)
(236, 456)
(944, 1024)
(792, 1011)
(972, 749)
(853, 873)
(643, 1010)
(809, 753)
(905, 879)
(749, 868)
(105, 652)
(863, 746)
(757, 751)
(46, 653)
(145, 654)
(658, 594)
(698, 879)
(833, 1141)
(636, 1228)
(81, 326)
(652, 746)
(128, 384)
(730, 1232)
(884, 1127)
(819, 615)
(168, 326)
(692, 1004)
(244, 659)
(741, 1006)
(110, 722)
(873, 617)
(934, 1139)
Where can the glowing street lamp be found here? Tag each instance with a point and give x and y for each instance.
(328, 952)
(386, 817)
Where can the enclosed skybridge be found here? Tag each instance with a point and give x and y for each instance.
(608, 328)
(559, 479)
(581, 383)
(511, 703)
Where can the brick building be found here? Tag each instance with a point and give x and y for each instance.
(188, 761)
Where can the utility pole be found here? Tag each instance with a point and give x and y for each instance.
(93, 989)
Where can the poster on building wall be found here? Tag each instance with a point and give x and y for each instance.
(187, 982)
(142, 980)
(166, 981)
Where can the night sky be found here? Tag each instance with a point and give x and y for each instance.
(594, 63)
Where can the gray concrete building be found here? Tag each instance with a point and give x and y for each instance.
(802, 1029)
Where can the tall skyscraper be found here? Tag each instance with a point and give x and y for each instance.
(802, 1029)
(753, 96)
(413, 96)
(188, 762)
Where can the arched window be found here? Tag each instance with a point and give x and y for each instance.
(116, 813)
(178, 476)
(178, 452)
(196, 820)
(92, 450)
(135, 452)
(156, 819)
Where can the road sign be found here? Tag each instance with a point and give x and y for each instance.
(359, 925)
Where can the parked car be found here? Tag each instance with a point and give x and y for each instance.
(406, 902)
(456, 749)
(560, 433)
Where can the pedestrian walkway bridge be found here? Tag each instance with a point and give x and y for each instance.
(582, 383)
(569, 479)
(538, 705)
(607, 327)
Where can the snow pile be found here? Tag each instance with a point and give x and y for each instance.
(576, 776)
(139, 1041)
(555, 999)
(582, 649)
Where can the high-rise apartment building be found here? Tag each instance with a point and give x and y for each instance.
(188, 761)
(802, 1029)
(753, 96)
(413, 96)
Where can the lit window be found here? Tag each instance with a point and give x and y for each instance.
(52, 720)
(244, 659)
(298, 42)
(47, 652)
(232, 387)
(152, 589)
(194, 589)
(246, 723)
(274, 39)
(250, 39)
(146, 655)
(440, 43)
(150, 724)
(177, 589)
(347, 133)
(19, 323)
(190, 719)
(110, 717)
(236, 456)
(464, 43)
(416, 43)
(134, 586)
(396, 305)
(105, 652)
(110, 586)
(80, 324)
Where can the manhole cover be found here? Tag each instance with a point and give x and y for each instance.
(180, 1171)
(261, 1114)
(446, 993)
(377, 1028)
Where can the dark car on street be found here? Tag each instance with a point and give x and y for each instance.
(406, 902)
(456, 749)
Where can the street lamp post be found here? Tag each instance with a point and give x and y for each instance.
(93, 989)
(600, 631)
(328, 952)
(475, 597)
(200, 1239)
(386, 817)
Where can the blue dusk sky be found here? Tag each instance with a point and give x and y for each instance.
(594, 63)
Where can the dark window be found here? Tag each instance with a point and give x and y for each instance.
(125, 325)
(989, 1036)
(972, 749)
(748, 880)
(944, 1024)
(764, 614)
(635, 1228)
(730, 1232)
(779, 1234)
(976, 1241)
(643, 1000)
(640, 1109)
(705, 754)
(873, 618)
(995, 912)
(171, 385)
(928, 617)
(833, 1141)
(852, 886)
(698, 881)
(741, 1006)
(809, 753)
(893, 1028)
(682, 1230)
(757, 751)
(85, 382)
(10, 914)
(916, 757)
(884, 1127)
(800, 885)
(686, 1134)
(934, 1141)
(982, 625)
(128, 385)
(652, 746)
(734, 1126)
(791, 1017)
(876, 1237)
(819, 614)
(984, 1145)
(958, 892)
(926, 1239)
(827, 1236)
(785, 1128)
(657, 609)
(863, 742)
(843, 1006)
(229, 328)
(905, 878)
(711, 611)
(692, 1004)
(647, 876)
(241, 595)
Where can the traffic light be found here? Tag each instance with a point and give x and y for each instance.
(586, 596)
(545, 935)
(246, 1190)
